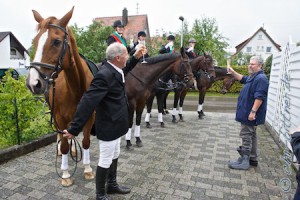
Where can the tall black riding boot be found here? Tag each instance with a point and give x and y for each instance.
(101, 176)
(112, 187)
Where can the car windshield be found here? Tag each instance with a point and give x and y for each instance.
(15, 72)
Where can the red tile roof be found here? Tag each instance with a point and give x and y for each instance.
(135, 24)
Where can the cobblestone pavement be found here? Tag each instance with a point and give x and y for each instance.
(187, 160)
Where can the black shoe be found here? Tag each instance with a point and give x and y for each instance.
(112, 187)
(101, 197)
(162, 124)
(253, 163)
(116, 189)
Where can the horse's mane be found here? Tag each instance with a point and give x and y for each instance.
(162, 57)
(45, 23)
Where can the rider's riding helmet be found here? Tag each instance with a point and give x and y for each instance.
(192, 40)
(171, 37)
(118, 23)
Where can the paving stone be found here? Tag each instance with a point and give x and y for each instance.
(188, 160)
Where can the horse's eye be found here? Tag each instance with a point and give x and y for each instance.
(56, 43)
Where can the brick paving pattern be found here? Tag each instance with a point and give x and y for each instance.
(187, 160)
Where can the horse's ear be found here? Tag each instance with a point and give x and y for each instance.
(63, 22)
(37, 16)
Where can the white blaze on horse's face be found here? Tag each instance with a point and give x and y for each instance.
(33, 73)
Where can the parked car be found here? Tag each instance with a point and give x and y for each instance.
(15, 73)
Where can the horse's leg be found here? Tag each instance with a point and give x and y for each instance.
(181, 100)
(160, 107)
(88, 171)
(64, 148)
(149, 104)
(200, 102)
(128, 134)
(175, 104)
(137, 129)
(165, 109)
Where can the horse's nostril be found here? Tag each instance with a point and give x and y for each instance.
(38, 85)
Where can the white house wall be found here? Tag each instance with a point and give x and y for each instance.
(283, 111)
(263, 42)
(7, 61)
(4, 52)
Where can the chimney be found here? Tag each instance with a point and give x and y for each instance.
(125, 17)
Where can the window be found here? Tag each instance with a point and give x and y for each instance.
(13, 52)
(262, 48)
(260, 37)
(268, 50)
(249, 49)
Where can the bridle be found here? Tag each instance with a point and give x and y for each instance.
(55, 68)
(186, 76)
(206, 70)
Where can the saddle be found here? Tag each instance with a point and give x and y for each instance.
(92, 66)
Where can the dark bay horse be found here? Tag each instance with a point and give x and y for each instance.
(140, 80)
(204, 83)
(57, 63)
(200, 65)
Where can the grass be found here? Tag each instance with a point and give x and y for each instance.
(210, 94)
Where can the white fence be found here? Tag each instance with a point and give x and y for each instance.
(283, 111)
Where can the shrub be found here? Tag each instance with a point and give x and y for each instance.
(21, 113)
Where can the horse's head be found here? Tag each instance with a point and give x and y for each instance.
(227, 83)
(50, 44)
(209, 64)
(184, 70)
(204, 63)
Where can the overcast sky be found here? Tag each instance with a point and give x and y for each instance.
(237, 20)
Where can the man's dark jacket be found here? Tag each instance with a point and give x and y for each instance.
(107, 97)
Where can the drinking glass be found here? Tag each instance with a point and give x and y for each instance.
(143, 43)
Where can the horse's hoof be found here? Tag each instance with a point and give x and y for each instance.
(162, 125)
(200, 116)
(166, 111)
(181, 120)
(89, 175)
(129, 148)
(148, 125)
(139, 144)
(174, 121)
(66, 182)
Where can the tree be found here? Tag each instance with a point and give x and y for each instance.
(92, 41)
(268, 66)
(208, 38)
(241, 59)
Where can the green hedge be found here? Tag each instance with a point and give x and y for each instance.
(22, 115)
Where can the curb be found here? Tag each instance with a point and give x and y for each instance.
(19, 150)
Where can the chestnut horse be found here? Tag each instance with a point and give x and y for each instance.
(58, 72)
(200, 65)
(140, 80)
